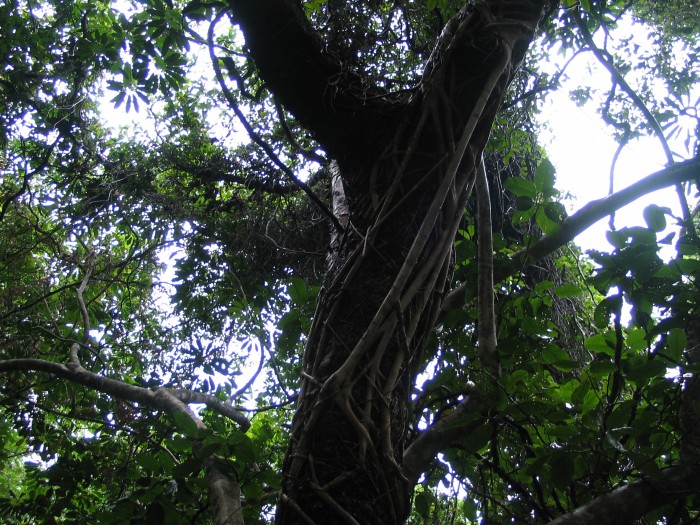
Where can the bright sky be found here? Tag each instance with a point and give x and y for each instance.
(582, 150)
(581, 146)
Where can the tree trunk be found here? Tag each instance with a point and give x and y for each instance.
(392, 267)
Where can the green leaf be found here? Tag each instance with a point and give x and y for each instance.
(553, 353)
(601, 368)
(677, 342)
(607, 307)
(423, 501)
(544, 176)
(520, 187)
(567, 290)
(600, 343)
(555, 211)
(655, 217)
(477, 439)
(590, 401)
(298, 290)
(524, 202)
(547, 225)
(185, 424)
(646, 370)
(616, 238)
(562, 470)
(544, 286)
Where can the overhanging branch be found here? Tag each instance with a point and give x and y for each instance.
(443, 432)
(146, 396)
(343, 113)
(635, 500)
(583, 219)
(224, 492)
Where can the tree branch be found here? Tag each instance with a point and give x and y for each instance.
(583, 219)
(224, 492)
(636, 499)
(442, 432)
(150, 397)
(607, 61)
(255, 137)
(344, 114)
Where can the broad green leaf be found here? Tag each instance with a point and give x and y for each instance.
(477, 439)
(547, 225)
(544, 176)
(646, 370)
(601, 368)
(590, 401)
(185, 424)
(676, 342)
(600, 343)
(562, 470)
(567, 290)
(520, 187)
(607, 307)
(298, 290)
(423, 502)
(655, 217)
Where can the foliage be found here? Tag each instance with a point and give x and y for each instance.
(178, 253)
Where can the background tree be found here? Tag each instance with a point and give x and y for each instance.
(366, 310)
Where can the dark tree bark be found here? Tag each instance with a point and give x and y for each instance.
(407, 170)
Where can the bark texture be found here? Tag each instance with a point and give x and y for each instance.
(407, 170)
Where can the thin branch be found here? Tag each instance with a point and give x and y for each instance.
(254, 135)
(81, 300)
(149, 397)
(309, 154)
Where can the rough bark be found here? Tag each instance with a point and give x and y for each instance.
(407, 172)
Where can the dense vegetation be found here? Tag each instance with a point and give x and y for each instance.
(306, 262)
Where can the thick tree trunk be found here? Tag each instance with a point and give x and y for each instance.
(392, 269)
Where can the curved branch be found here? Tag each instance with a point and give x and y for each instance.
(583, 219)
(635, 500)
(418, 456)
(344, 114)
(224, 492)
(149, 397)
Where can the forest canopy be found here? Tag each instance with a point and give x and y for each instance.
(308, 262)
